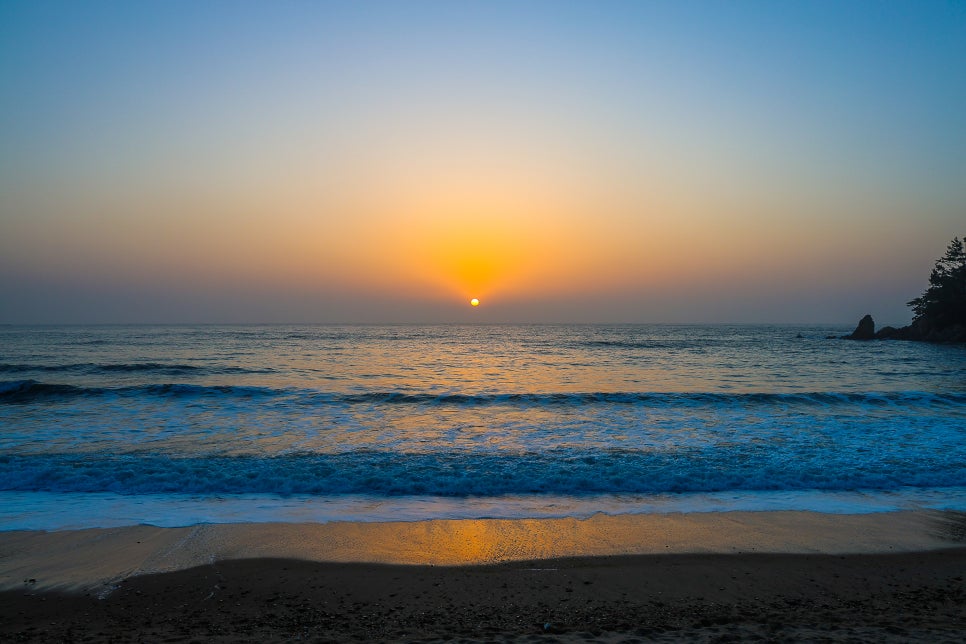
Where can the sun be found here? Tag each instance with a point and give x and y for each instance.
(474, 302)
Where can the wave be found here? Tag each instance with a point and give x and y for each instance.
(30, 390)
(459, 474)
(632, 344)
(27, 391)
(24, 391)
(656, 399)
(92, 368)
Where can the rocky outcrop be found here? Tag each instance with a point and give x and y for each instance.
(921, 330)
(864, 331)
(924, 331)
(939, 314)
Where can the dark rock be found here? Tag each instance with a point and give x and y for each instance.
(940, 312)
(918, 330)
(952, 333)
(864, 331)
(887, 333)
(924, 330)
(921, 330)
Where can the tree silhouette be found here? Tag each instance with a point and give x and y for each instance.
(943, 304)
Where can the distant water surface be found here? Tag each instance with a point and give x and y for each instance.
(173, 425)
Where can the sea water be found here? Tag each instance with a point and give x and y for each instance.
(176, 425)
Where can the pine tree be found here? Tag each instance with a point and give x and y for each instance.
(943, 304)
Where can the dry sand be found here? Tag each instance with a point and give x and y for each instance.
(775, 575)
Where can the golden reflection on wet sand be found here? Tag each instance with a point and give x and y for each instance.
(97, 558)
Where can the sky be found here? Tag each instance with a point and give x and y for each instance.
(561, 161)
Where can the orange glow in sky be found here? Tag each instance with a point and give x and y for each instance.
(652, 162)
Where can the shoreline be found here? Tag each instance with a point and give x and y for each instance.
(95, 560)
(52, 511)
(769, 575)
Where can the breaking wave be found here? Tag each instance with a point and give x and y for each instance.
(27, 391)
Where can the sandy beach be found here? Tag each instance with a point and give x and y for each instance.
(773, 575)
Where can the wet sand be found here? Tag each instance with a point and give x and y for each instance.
(896, 576)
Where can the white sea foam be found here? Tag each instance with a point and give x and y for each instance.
(405, 421)
(72, 511)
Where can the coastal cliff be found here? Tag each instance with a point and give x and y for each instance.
(921, 330)
(939, 313)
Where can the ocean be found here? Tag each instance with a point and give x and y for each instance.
(105, 426)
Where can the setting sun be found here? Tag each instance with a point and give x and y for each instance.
(474, 302)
